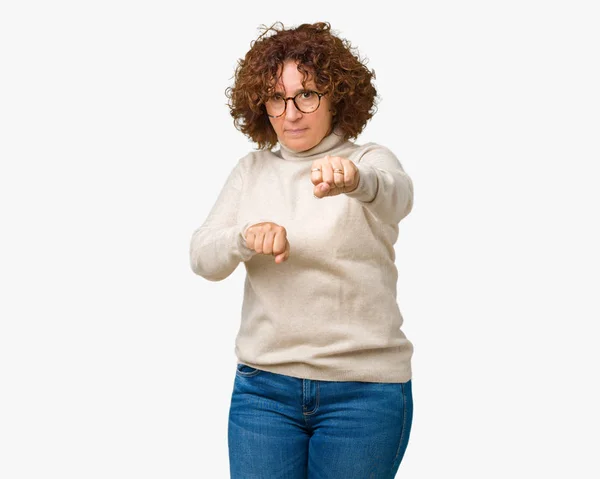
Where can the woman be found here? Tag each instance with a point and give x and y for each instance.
(323, 379)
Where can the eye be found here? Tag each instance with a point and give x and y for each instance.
(307, 94)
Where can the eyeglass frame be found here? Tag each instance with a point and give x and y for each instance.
(293, 98)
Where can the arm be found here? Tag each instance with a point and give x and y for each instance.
(383, 188)
(218, 246)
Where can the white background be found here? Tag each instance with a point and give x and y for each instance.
(116, 361)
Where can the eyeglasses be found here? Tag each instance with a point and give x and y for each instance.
(306, 101)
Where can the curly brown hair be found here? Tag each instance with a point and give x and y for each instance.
(333, 63)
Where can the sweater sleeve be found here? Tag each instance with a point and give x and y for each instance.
(384, 188)
(218, 246)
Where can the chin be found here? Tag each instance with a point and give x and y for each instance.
(299, 144)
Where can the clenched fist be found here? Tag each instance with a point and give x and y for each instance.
(269, 238)
(333, 175)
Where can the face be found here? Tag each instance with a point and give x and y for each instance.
(296, 130)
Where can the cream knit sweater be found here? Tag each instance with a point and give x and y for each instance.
(329, 312)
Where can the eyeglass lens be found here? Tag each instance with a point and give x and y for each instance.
(306, 102)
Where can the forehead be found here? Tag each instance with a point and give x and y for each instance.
(290, 79)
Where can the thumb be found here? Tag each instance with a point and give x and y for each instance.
(280, 258)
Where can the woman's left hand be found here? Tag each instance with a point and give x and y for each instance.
(333, 175)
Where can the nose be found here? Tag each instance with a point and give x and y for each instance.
(291, 112)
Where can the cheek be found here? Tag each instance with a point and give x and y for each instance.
(276, 125)
(326, 116)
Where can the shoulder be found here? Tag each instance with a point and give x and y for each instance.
(244, 165)
(251, 165)
(372, 150)
(253, 159)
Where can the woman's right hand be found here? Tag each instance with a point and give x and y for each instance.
(269, 238)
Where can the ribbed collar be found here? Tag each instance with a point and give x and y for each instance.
(325, 147)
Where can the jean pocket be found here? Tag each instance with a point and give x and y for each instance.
(245, 370)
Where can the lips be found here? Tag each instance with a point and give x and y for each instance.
(295, 130)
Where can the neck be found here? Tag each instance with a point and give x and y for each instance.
(330, 142)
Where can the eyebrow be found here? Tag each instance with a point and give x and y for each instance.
(295, 93)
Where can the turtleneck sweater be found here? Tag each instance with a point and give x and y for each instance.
(329, 312)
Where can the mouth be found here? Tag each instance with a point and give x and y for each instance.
(295, 131)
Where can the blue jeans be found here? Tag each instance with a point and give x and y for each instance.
(283, 427)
